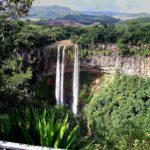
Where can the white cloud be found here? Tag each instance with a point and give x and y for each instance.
(133, 5)
(66, 3)
(122, 4)
(104, 5)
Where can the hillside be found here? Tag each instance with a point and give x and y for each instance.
(49, 11)
(56, 15)
(123, 16)
(141, 21)
(90, 19)
(52, 12)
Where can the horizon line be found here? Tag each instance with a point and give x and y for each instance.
(91, 10)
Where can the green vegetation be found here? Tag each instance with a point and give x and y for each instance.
(118, 114)
(90, 19)
(131, 39)
(114, 114)
(46, 128)
(50, 11)
(41, 129)
(13, 74)
(66, 14)
(140, 21)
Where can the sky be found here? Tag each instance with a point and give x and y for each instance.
(132, 6)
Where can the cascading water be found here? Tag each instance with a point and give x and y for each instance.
(62, 77)
(60, 68)
(75, 81)
(57, 87)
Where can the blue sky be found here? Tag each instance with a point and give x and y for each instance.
(100, 5)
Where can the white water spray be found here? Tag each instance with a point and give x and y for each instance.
(57, 87)
(75, 81)
(60, 69)
(62, 77)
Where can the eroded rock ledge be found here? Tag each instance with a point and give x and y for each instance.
(111, 64)
(97, 63)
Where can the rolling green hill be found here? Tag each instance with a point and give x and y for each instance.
(120, 15)
(55, 11)
(139, 23)
(62, 15)
(50, 12)
(90, 19)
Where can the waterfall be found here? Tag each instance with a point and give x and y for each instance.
(57, 86)
(62, 77)
(75, 81)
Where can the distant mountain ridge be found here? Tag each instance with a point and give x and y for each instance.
(56, 15)
(50, 11)
(118, 14)
(90, 19)
(56, 11)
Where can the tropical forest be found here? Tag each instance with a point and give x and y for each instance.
(73, 79)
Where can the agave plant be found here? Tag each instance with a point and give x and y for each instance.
(53, 132)
(36, 128)
(46, 130)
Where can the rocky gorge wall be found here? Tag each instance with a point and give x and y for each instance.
(46, 63)
(125, 65)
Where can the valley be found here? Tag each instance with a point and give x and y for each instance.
(73, 79)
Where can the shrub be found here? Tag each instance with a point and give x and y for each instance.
(119, 114)
(52, 129)
(40, 129)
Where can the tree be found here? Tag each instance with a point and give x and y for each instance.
(123, 50)
(10, 10)
(119, 113)
(13, 76)
(14, 8)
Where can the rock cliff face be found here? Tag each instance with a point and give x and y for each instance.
(95, 63)
(126, 65)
